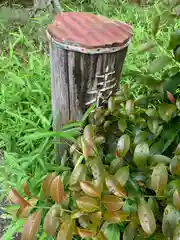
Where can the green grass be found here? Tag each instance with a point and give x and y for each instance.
(25, 105)
(25, 82)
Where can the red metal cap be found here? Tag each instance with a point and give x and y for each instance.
(89, 31)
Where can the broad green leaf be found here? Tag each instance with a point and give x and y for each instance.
(97, 168)
(171, 217)
(171, 84)
(177, 151)
(153, 125)
(112, 203)
(87, 204)
(174, 40)
(88, 111)
(66, 230)
(166, 111)
(129, 107)
(52, 220)
(78, 173)
(146, 47)
(57, 190)
(123, 145)
(130, 231)
(133, 188)
(115, 187)
(122, 124)
(146, 217)
(171, 187)
(116, 164)
(176, 199)
(15, 79)
(176, 235)
(122, 175)
(159, 178)
(155, 25)
(113, 232)
(141, 137)
(90, 189)
(150, 82)
(158, 158)
(30, 228)
(152, 112)
(178, 104)
(141, 154)
(159, 63)
(154, 206)
(96, 218)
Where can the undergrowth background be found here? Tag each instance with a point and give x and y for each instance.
(25, 104)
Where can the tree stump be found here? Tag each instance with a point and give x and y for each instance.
(87, 53)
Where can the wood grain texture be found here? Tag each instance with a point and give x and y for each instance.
(76, 78)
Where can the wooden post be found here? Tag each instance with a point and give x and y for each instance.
(84, 68)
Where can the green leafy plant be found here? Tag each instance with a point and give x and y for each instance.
(123, 176)
(163, 71)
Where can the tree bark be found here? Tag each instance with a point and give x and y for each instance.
(79, 80)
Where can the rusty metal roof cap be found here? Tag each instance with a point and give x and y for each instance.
(86, 30)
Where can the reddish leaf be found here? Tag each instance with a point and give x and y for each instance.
(52, 220)
(46, 185)
(57, 190)
(85, 233)
(66, 231)
(112, 203)
(115, 187)
(176, 199)
(24, 212)
(26, 189)
(16, 198)
(170, 97)
(31, 226)
(87, 204)
(89, 189)
(116, 217)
